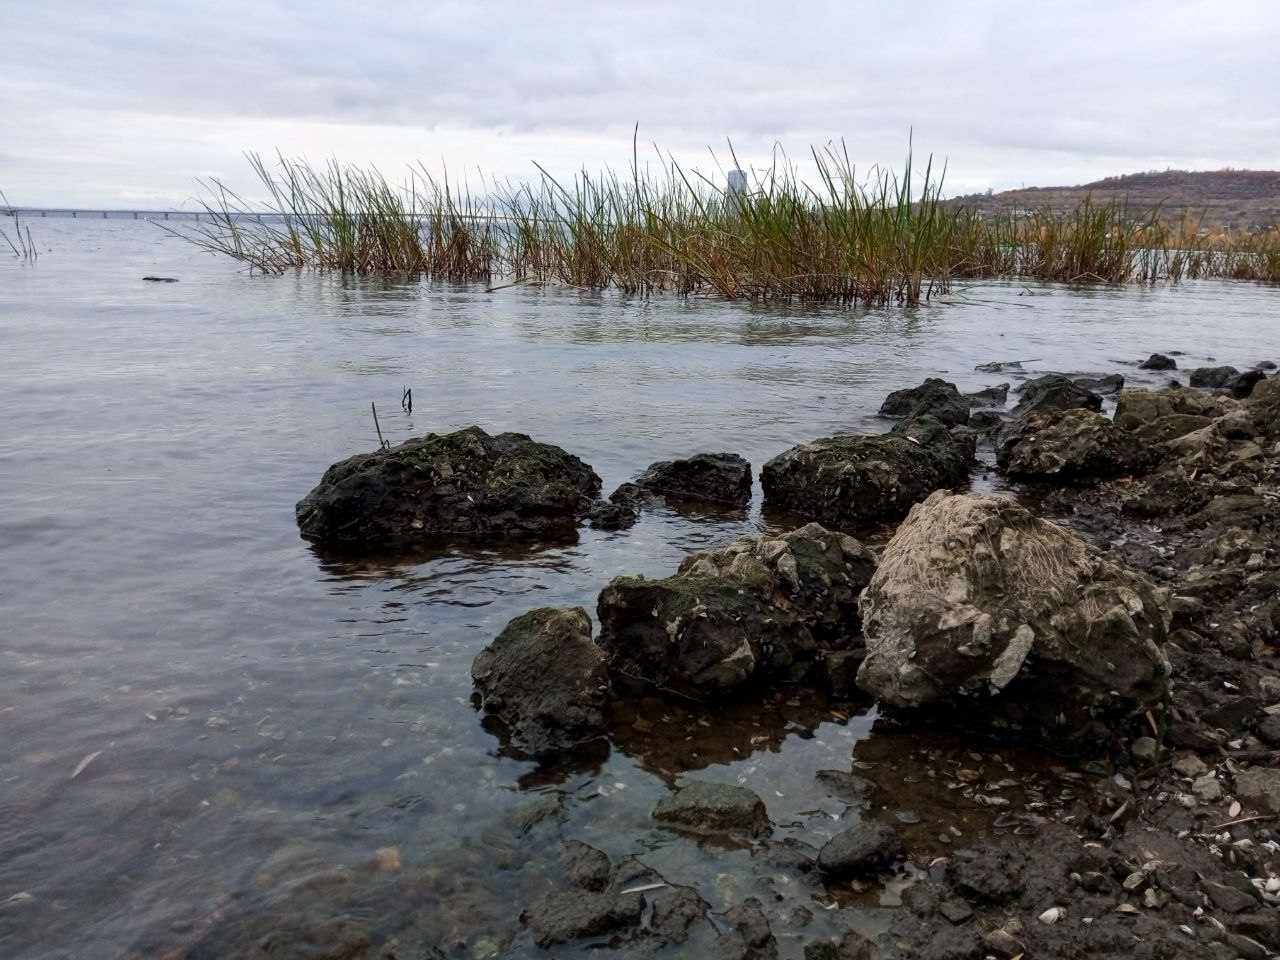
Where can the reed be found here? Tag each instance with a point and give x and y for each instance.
(20, 244)
(886, 237)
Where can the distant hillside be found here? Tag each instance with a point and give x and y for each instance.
(1228, 199)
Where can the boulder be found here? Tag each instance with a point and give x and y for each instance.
(863, 848)
(1068, 443)
(1055, 392)
(707, 807)
(846, 480)
(711, 477)
(1001, 619)
(996, 396)
(758, 606)
(463, 483)
(934, 397)
(1105, 385)
(1158, 361)
(1213, 378)
(1164, 429)
(545, 678)
(1134, 408)
(1242, 386)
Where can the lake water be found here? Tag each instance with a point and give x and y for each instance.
(210, 731)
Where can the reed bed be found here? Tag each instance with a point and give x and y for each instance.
(887, 237)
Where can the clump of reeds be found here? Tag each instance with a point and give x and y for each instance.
(884, 238)
(20, 244)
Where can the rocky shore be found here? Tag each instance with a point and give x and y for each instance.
(1111, 606)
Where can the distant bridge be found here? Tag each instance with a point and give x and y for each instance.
(78, 214)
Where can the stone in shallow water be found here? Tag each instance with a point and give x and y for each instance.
(545, 678)
(846, 480)
(935, 398)
(861, 849)
(1055, 392)
(708, 807)
(1005, 619)
(466, 483)
(1213, 377)
(723, 478)
(761, 605)
(1069, 443)
(1158, 361)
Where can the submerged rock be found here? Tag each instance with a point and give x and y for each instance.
(545, 678)
(708, 807)
(621, 510)
(462, 483)
(1055, 392)
(759, 605)
(1068, 443)
(1158, 361)
(841, 481)
(1008, 620)
(935, 398)
(1106, 385)
(711, 477)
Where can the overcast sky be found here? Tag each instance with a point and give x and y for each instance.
(127, 103)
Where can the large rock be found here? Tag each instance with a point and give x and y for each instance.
(843, 481)
(1068, 443)
(712, 477)
(758, 606)
(545, 678)
(1158, 361)
(1107, 384)
(462, 483)
(1055, 392)
(1213, 377)
(934, 397)
(1000, 618)
(1135, 407)
(861, 849)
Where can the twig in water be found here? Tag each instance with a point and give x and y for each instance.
(406, 401)
(382, 444)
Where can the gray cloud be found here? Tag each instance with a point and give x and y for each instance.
(132, 100)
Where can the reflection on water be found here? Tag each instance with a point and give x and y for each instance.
(217, 734)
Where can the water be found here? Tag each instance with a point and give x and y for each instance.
(211, 731)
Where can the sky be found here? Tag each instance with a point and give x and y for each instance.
(130, 104)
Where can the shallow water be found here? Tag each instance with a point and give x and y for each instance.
(210, 730)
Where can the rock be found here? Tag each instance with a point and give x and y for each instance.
(1207, 789)
(986, 422)
(621, 510)
(586, 866)
(1243, 385)
(851, 946)
(463, 483)
(1105, 385)
(545, 678)
(564, 915)
(1002, 618)
(1265, 365)
(1055, 392)
(1134, 408)
(843, 481)
(986, 875)
(956, 910)
(712, 477)
(752, 929)
(1164, 429)
(934, 397)
(1259, 786)
(1068, 443)
(1265, 392)
(675, 910)
(1269, 730)
(999, 366)
(707, 807)
(848, 787)
(861, 849)
(996, 396)
(757, 606)
(1213, 378)
(1143, 750)
(1158, 361)
(1228, 898)
(1190, 766)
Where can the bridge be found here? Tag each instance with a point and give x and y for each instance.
(78, 214)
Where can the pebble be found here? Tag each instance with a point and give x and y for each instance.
(1207, 788)
(1190, 766)
(1143, 748)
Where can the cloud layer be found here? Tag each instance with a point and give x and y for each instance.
(125, 104)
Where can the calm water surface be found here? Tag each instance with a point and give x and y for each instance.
(210, 731)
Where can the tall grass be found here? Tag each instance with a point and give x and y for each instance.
(20, 244)
(886, 237)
